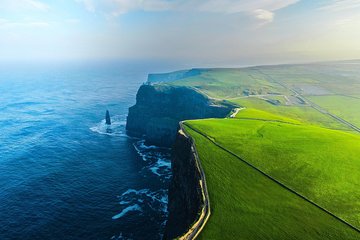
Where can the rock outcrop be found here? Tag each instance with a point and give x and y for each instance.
(159, 108)
(107, 118)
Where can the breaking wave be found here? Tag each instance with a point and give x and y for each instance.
(157, 159)
(117, 127)
(137, 200)
(145, 202)
(131, 208)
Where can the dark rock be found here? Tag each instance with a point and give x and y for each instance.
(107, 117)
(185, 198)
(159, 108)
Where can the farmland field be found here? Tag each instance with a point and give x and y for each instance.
(345, 107)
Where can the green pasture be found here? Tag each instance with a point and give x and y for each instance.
(247, 205)
(321, 164)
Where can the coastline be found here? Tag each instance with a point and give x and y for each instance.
(158, 117)
(196, 228)
(163, 114)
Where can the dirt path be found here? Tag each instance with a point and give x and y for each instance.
(237, 110)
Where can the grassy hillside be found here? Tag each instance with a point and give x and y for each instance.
(253, 113)
(346, 107)
(247, 205)
(307, 159)
(305, 114)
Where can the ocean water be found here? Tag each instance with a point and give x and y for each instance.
(63, 173)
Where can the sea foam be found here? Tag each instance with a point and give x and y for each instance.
(131, 208)
(117, 127)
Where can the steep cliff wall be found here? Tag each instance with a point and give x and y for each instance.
(185, 197)
(159, 108)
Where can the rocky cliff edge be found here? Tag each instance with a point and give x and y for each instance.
(159, 108)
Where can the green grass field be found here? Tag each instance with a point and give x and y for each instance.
(253, 113)
(228, 83)
(345, 107)
(303, 114)
(307, 159)
(247, 205)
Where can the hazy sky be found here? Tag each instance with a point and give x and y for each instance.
(202, 32)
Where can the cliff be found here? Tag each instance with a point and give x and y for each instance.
(156, 115)
(185, 197)
(159, 108)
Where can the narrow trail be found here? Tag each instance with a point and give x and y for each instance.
(272, 178)
(237, 110)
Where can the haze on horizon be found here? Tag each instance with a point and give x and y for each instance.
(202, 32)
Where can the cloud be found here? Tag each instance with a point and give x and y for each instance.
(16, 5)
(341, 5)
(234, 6)
(124, 6)
(37, 4)
(89, 4)
(118, 7)
(262, 10)
(264, 16)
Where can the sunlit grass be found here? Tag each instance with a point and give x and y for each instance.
(247, 205)
(322, 164)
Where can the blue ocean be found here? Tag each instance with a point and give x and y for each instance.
(65, 174)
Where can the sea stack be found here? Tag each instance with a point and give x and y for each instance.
(107, 117)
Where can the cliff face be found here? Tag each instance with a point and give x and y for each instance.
(159, 108)
(185, 198)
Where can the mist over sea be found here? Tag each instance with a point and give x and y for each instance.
(63, 173)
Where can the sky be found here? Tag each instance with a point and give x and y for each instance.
(198, 32)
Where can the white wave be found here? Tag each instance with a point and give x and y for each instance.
(144, 146)
(161, 167)
(138, 150)
(120, 237)
(135, 191)
(140, 145)
(144, 199)
(131, 208)
(117, 127)
(143, 150)
(157, 159)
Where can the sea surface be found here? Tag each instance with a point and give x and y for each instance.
(63, 173)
